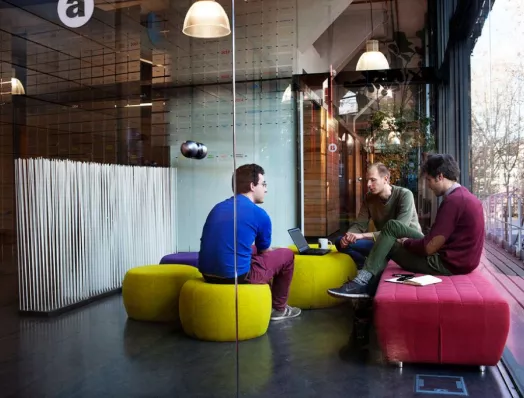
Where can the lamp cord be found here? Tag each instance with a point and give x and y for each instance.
(371, 11)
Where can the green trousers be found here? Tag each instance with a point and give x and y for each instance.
(387, 244)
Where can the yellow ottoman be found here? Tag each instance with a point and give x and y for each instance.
(151, 292)
(313, 246)
(314, 275)
(207, 311)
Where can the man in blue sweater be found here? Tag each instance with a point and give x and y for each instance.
(256, 264)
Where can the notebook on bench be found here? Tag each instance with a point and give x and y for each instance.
(407, 279)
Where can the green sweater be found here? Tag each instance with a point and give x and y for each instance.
(400, 206)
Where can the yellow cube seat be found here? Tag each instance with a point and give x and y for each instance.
(207, 311)
(151, 292)
(314, 275)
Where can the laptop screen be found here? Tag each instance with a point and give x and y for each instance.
(298, 239)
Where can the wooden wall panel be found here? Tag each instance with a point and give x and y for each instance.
(315, 217)
(332, 179)
(321, 168)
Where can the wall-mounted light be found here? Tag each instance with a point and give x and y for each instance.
(206, 19)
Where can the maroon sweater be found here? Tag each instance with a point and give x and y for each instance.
(460, 220)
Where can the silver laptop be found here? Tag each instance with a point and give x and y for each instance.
(302, 245)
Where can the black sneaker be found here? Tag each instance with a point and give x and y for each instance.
(350, 289)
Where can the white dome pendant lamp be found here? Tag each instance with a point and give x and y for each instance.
(206, 19)
(372, 59)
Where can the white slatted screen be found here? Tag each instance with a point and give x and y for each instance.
(81, 226)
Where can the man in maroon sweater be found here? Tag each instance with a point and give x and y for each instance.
(453, 245)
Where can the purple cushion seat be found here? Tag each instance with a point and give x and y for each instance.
(187, 258)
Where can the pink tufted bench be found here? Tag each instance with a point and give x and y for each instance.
(462, 321)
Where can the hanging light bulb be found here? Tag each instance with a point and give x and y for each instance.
(206, 19)
(372, 59)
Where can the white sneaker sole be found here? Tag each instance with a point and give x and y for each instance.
(280, 318)
(348, 295)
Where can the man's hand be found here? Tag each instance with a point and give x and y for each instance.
(402, 240)
(349, 238)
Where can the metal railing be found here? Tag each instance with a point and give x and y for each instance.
(504, 218)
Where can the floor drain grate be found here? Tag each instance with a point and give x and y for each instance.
(440, 385)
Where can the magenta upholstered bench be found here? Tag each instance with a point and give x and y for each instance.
(462, 321)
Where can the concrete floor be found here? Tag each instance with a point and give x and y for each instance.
(95, 351)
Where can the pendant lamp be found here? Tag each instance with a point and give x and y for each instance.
(17, 88)
(372, 59)
(206, 19)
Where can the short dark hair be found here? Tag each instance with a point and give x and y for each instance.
(381, 168)
(444, 164)
(245, 175)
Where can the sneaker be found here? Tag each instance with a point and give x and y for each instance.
(288, 312)
(350, 289)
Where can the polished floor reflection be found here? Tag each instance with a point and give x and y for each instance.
(96, 352)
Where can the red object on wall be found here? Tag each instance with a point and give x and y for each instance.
(462, 321)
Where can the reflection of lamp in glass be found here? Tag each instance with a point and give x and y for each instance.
(287, 94)
(393, 139)
(17, 87)
(372, 59)
(206, 19)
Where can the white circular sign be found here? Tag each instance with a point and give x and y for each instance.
(75, 13)
(332, 147)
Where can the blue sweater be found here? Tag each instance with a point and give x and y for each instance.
(216, 244)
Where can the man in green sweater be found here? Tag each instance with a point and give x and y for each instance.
(383, 202)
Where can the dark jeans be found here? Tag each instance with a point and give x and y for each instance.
(358, 251)
(277, 264)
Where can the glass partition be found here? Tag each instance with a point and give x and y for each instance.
(118, 88)
(347, 125)
(496, 160)
(293, 88)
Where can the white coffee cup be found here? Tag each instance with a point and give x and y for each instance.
(323, 243)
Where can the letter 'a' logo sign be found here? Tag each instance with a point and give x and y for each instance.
(75, 13)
